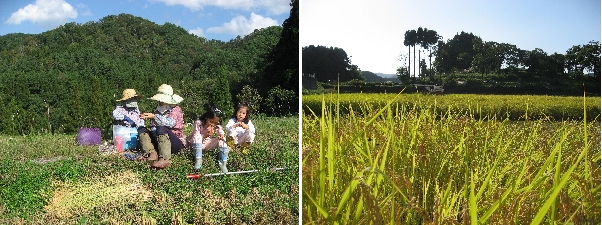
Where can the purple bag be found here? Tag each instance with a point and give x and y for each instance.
(89, 136)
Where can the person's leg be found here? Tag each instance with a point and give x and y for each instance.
(247, 137)
(164, 145)
(222, 157)
(231, 139)
(176, 143)
(197, 150)
(245, 140)
(147, 143)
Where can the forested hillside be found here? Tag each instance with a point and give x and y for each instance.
(50, 81)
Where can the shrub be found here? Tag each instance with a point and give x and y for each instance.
(251, 96)
(281, 101)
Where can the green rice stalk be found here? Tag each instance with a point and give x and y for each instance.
(473, 208)
(322, 159)
(317, 205)
(349, 190)
(557, 188)
(558, 167)
(495, 205)
(331, 150)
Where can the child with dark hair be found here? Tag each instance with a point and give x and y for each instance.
(207, 133)
(240, 128)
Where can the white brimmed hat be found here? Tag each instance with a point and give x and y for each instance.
(165, 94)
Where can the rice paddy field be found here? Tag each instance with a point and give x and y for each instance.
(453, 159)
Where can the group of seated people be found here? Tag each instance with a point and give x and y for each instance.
(164, 134)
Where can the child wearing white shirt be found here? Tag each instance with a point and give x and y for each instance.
(240, 129)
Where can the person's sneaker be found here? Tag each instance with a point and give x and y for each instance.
(230, 142)
(161, 164)
(245, 147)
(222, 166)
(152, 156)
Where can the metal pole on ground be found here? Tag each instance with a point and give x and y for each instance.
(195, 176)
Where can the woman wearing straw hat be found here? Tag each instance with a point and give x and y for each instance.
(127, 112)
(166, 129)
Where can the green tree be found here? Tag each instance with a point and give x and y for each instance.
(329, 64)
(283, 69)
(410, 40)
(456, 54)
(584, 58)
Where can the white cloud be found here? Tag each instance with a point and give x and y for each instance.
(48, 13)
(84, 8)
(198, 32)
(272, 6)
(276, 7)
(241, 26)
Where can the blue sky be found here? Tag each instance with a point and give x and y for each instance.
(212, 19)
(372, 32)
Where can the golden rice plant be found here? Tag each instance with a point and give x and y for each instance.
(513, 107)
(399, 162)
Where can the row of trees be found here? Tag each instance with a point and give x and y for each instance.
(50, 82)
(467, 59)
(424, 38)
(468, 53)
(329, 64)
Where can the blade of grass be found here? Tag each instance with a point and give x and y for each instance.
(538, 219)
(472, 206)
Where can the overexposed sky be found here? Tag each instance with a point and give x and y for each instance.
(212, 19)
(372, 32)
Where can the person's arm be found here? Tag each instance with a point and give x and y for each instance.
(220, 132)
(139, 121)
(162, 120)
(196, 136)
(121, 114)
(118, 113)
(178, 117)
(251, 127)
(229, 125)
(207, 131)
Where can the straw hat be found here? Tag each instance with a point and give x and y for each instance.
(165, 94)
(128, 94)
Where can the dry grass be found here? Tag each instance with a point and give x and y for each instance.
(110, 192)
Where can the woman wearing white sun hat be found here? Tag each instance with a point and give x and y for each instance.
(165, 132)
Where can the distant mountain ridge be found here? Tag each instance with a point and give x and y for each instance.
(386, 75)
(379, 77)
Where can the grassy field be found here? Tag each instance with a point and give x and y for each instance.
(46, 179)
(398, 162)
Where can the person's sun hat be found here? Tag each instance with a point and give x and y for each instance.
(129, 94)
(165, 94)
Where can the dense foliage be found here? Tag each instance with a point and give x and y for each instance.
(49, 82)
(329, 64)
